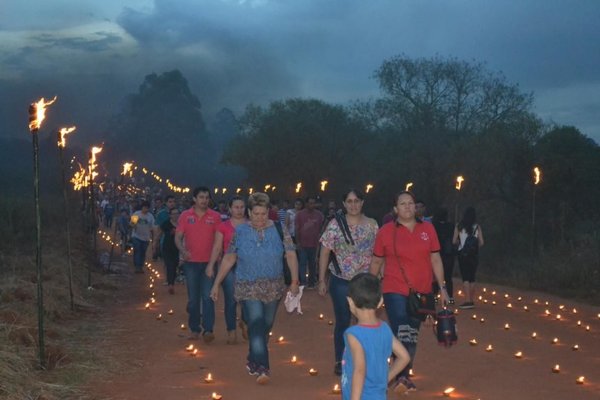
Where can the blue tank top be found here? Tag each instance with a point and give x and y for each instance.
(376, 341)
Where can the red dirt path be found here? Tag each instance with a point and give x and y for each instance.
(156, 365)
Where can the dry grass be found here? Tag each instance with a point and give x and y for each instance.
(71, 336)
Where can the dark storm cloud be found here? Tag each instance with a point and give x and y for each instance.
(237, 52)
(104, 42)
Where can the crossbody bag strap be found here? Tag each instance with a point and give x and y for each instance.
(398, 258)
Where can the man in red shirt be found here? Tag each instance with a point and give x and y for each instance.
(308, 228)
(194, 238)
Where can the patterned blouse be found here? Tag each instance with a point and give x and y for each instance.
(259, 270)
(352, 259)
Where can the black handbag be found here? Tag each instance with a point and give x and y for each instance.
(287, 274)
(418, 305)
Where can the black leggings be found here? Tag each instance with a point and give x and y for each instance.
(171, 262)
(468, 267)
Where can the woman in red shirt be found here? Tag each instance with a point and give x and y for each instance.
(410, 250)
(223, 236)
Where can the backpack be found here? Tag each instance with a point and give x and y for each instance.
(471, 245)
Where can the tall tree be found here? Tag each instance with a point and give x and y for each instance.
(161, 126)
(303, 140)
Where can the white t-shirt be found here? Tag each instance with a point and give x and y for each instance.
(292, 216)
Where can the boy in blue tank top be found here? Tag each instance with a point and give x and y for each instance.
(365, 369)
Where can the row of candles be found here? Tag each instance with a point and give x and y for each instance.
(194, 352)
(580, 380)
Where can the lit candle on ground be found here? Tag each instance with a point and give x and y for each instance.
(494, 293)
(182, 327)
(558, 317)
(494, 302)
(171, 312)
(216, 396)
(209, 378)
(506, 296)
(294, 360)
(587, 328)
(534, 335)
(190, 347)
(147, 306)
(410, 372)
(509, 305)
(473, 342)
(484, 290)
(194, 353)
(574, 311)
(555, 341)
(313, 372)
(580, 380)
(280, 340)
(159, 317)
(485, 301)
(336, 389)
(330, 322)
(536, 301)
(448, 391)
(489, 348)
(153, 300)
(575, 347)
(506, 326)
(519, 298)
(525, 308)
(151, 286)
(482, 320)
(474, 316)
(561, 307)
(547, 312)
(556, 369)
(578, 323)
(519, 354)
(321, 316)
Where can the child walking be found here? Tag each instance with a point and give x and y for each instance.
(365, 369)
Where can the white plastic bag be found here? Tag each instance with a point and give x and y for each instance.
(293, 302)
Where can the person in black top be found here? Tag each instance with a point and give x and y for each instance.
(445, 231)
(170, 252)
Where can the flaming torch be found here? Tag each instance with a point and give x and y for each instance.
(62, 143)
(298, 187)
(37, 114)
(408, 186)
(368, 188)
(324, 185)
(92, 174)
(537, 178)
(458, 187)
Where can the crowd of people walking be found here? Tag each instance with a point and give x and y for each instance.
(255, 250)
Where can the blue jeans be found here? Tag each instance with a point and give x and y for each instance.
(338, 289)
(139, 253)
(403, 326)
(198, 288)
(230, 303)
(307, 259)
(259, 317)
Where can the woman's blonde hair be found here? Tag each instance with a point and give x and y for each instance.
(258, 199)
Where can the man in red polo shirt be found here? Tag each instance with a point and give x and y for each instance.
(194, 238)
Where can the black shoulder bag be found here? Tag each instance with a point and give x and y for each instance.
(287, 274)
(418, 305)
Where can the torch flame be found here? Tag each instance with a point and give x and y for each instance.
(537, 175)
(62, 136)
(459, 181)
(368, 188)
(408, 186)
(92, 163)
(298, 187)
(40, 113)
(323, 185)
(127, 169)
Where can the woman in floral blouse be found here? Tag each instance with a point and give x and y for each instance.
(258, 250)
(351, 238)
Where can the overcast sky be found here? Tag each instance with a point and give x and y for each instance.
(92, 53)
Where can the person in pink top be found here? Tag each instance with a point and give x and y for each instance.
(308, 229)
(223, 236)
(194, 237)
